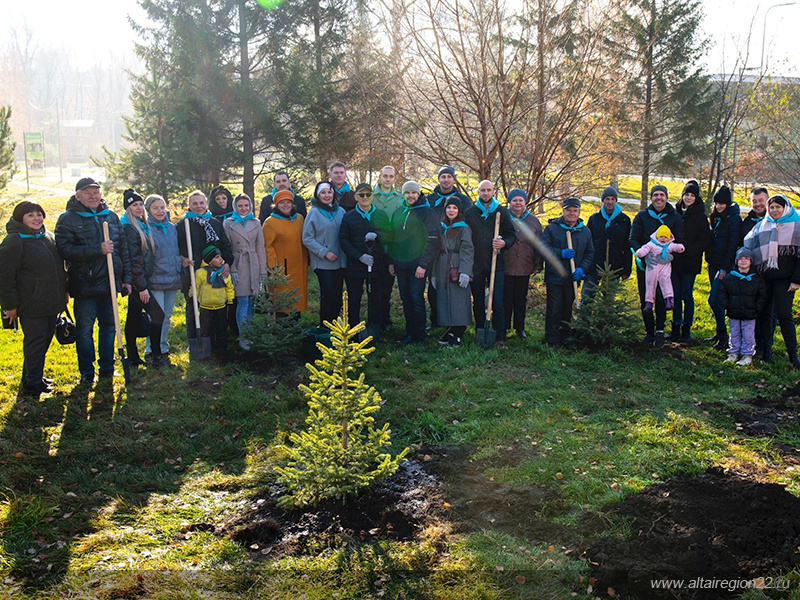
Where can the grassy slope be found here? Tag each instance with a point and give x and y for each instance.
(97, 487)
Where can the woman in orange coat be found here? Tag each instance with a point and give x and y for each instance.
(283, 238)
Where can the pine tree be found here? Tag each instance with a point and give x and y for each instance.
(342, 452)
(7, 146)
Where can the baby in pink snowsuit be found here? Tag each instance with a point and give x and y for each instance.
(657, 254)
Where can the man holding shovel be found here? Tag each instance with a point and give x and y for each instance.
(80, 242)
(481, 218)
(568, 239)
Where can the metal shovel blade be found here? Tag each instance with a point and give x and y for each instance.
(485, 337)
(199, 347)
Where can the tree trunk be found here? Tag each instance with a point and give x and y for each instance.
(248, 175)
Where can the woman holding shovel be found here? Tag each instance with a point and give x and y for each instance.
(452, 272)
(568, 239)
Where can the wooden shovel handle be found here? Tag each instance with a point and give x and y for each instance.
(191, 276)
(112, 284)
(494, 267)
(572, 267)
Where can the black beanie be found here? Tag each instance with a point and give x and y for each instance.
(609, 191)
(659, 188)
(130, 196)
(209, 253)
(723, 195)
(25, 207)
(692, 187)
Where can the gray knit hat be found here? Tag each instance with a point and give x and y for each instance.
(411, 186)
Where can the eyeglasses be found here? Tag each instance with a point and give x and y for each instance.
(365, 194)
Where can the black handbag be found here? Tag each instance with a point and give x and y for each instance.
(143, 325)
(65, 328)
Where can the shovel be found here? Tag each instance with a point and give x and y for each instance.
(112, 284)
(572, 270)
(485, 337)
(199, 347)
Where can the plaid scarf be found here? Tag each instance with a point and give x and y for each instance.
(771, 238)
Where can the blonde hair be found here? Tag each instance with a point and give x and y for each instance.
(143, 237)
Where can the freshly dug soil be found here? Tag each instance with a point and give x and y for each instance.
(716, 526)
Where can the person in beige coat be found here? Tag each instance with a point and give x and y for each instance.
(249, 261)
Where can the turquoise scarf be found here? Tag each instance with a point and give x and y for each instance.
(493, 206)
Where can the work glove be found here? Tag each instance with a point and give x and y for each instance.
(568, 253)
(463, 280)
(367, 259)
(578, 274)
(235, 279)
(371, 236)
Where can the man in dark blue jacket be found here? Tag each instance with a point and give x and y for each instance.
(481, 220)
(611, 230)
(80, 242)
(659, 212)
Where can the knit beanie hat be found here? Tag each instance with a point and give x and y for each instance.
(663, 231)
(658, 188)
(692, 187)
(411, 186)
(129, 196)
(571, 202)
(447, 169)
(25, 207)
(609, 191)
(516, 192)
(282, 195)
(723, 195)
(744, 253)
(209, 253)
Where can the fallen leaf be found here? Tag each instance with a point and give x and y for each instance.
(611, 592)
(520, 579)
(499, 568)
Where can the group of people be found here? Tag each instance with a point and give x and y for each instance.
(366, 238)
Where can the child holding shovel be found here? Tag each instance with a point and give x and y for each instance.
(558, 234)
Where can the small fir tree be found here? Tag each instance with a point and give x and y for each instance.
(342, 452)
(275, 330)
(607, 319)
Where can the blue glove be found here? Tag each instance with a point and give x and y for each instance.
(370, 237)
(578, 274)
(463, 280)
(568, 253)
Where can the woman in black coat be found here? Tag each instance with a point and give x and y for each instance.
(686, 266)
(33, 290)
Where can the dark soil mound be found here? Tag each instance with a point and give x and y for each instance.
(716, 526)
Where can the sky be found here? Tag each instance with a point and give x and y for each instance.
(90, 30)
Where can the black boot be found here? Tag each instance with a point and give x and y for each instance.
(686, 335)
(675, 334)
(133, 357)
(794, 360)
(722, 340)
(766, 356)
(658, 342)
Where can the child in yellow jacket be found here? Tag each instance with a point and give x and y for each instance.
(214, 294)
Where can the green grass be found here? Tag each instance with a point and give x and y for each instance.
(97, 487)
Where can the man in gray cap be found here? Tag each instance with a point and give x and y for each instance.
(561, 289)
(80, 241)
(658, 213)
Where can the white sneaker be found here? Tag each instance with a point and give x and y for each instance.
(732, 358)
(746, 361)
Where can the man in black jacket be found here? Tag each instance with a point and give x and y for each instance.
(281, 182)
(481, 219)
(80, 242)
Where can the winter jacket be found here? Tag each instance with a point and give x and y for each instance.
(483, 234)
(213, 296)
(388, 202)
(321, 235)
(351, 238)
(299, 204)
(743, 299)
(645, 224)
(202, 239)
(750, 220)
(283, 238)
(615, 238)
(437, 200)
(554, 237)
(413, 236)
(522, 258)
(249, 255)
(142, 260)
(78, 239)
(32, 275)
(726, 233)
(697, 236)
(345, 197)
(453, 303)
(167, 255)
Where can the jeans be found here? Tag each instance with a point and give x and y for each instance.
(412, 293)
(245, 309)
(87, 311)
(683, 286)
(166, 300)
(713, 299)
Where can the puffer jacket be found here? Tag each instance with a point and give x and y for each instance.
(743, 299)
(142, 260)
(78, 239)
(413, 236)
(616, 238)
(351, 238)
(555, 238)
(167, 255)
(34, 281)
(726, 233)
(644, 225)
